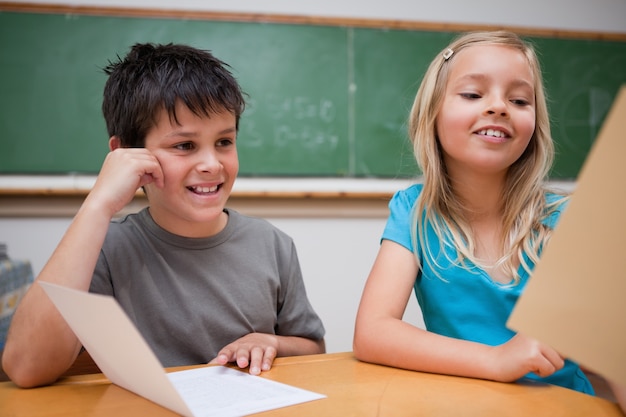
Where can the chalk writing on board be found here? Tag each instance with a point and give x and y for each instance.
(301, 108)
(291, 121)
(306, 136)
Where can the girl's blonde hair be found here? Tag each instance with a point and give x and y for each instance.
(524, 203)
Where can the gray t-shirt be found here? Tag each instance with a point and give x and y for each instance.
(190, 297)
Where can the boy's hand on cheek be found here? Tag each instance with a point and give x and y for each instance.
(256, 350)
(123, 172)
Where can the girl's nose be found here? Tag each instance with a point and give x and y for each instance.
(497, 105)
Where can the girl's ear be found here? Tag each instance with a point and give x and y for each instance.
(115, 143)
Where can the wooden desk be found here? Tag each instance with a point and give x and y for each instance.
(353, 389)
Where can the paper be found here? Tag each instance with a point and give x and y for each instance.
(122, 354)
(575, 299)
(220, 391)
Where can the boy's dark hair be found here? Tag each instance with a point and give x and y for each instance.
(154, 77)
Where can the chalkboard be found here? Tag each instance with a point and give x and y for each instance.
(323, 100)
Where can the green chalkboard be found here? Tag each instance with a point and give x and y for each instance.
(322, 100)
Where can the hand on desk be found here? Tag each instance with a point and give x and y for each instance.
(257, 350)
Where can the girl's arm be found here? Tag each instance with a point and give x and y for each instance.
(382, 337)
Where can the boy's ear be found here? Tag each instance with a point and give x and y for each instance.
(115, 143)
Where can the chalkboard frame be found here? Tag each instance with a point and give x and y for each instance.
(399, 166)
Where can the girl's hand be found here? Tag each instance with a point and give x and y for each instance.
(522, 355)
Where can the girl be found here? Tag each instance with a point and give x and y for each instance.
(468, 237)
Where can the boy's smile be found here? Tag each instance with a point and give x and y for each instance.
(198, 156)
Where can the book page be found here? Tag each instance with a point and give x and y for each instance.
(218, 391)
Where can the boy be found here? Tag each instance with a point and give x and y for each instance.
(201, 282)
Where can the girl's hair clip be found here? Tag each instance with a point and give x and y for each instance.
(447, 54)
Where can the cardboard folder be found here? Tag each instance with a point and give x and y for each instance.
(575, 300)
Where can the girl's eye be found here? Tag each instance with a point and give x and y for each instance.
(470, 96)
(520, 102)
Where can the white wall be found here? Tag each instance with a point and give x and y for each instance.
(336, 253)
(578, 15)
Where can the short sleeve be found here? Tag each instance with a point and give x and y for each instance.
(101, 280)
(296, 316)
(560, 203)
(399, 223)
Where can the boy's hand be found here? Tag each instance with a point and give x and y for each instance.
(257, 350)
(522, 355)
(123, 172)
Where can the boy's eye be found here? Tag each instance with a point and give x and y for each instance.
(225, 142)
(185, 146)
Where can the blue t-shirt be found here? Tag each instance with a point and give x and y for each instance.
(467, 304)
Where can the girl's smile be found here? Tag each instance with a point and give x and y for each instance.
(487, 116)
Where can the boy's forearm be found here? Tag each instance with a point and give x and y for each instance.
(40, 346)
(296, 346)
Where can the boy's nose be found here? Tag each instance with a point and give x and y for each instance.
(208, 162)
